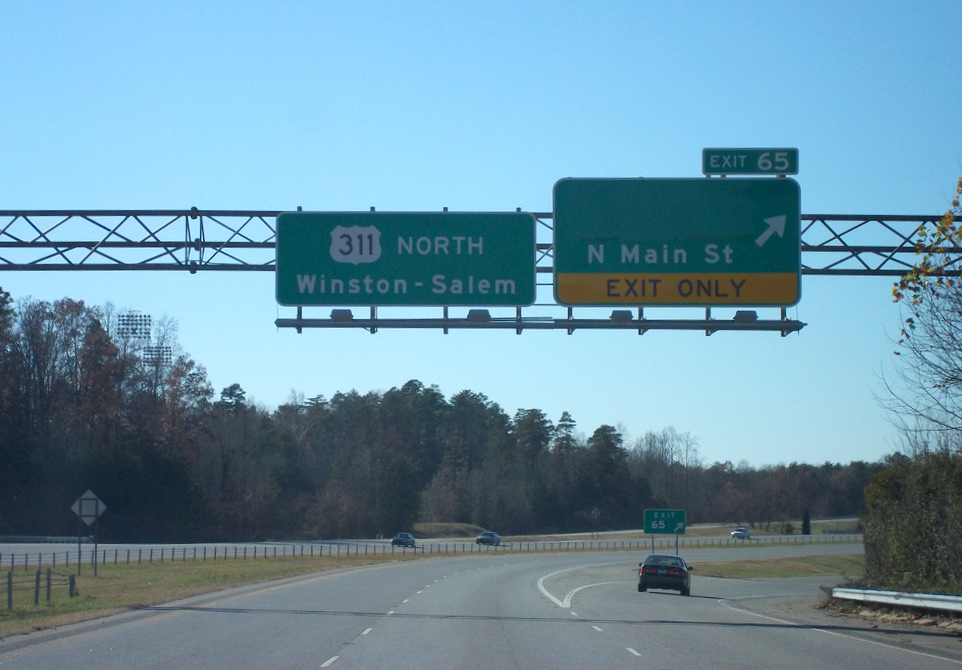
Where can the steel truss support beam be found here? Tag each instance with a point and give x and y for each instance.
(195, 240)
(853, 245)
(156, 240)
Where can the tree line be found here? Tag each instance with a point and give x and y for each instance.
(913, 530)
(86, 402)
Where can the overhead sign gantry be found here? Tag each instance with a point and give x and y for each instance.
(202, 240)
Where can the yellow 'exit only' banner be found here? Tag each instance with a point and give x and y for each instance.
(677, 289)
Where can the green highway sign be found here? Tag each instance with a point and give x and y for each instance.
(749, 161)
(407, 259)
(665, 521)
(677, 242)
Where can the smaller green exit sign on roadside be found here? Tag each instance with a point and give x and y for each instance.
(749, 161)
(665, 521)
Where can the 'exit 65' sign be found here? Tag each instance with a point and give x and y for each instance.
(665, 521)
(749, 161)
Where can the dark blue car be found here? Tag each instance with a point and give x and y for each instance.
(664, 571)
(403, 540)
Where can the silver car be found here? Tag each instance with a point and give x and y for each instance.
(488, 537)
(741, 533)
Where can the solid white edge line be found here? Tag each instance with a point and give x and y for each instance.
(730, 606)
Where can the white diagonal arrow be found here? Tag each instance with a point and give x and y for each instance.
(776, 224)
(680, 527)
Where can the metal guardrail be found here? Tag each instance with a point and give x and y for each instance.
(44, 539)
(927, 601)
(107, 554)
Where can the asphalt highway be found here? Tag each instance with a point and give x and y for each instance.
(565, 610)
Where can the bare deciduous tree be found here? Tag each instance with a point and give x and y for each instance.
(926, 396)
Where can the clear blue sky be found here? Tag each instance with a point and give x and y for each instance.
(414, 106)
